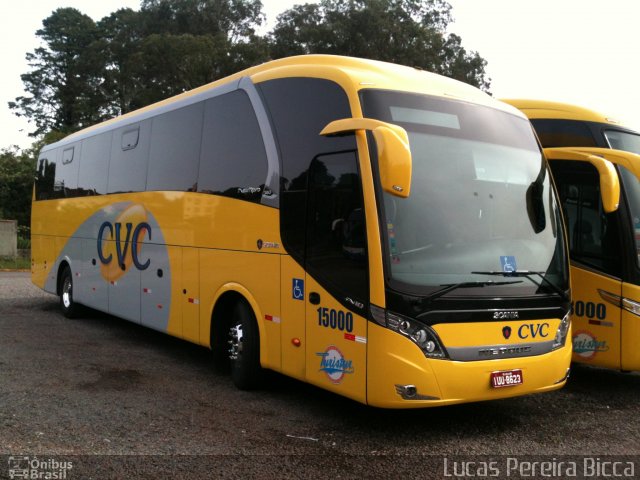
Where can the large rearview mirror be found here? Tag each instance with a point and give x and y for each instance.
(394, 155)
(609, 181)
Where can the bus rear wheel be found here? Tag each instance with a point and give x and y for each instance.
(69, 308)
(244, 349)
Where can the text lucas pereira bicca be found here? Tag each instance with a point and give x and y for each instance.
(588, 467)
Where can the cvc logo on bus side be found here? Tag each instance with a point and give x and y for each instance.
(119, 242)
(121, 252)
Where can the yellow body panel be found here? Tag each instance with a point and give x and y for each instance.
(476, 334)
(394, 360)
(557, 110)
(596, 322)
(327, 342)
(630, 331)
(293, 331)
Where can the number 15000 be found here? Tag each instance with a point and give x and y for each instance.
(336, 319)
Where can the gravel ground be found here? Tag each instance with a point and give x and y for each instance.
(122, 401)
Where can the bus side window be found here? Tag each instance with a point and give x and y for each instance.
(299, 108)
(175, 149)
(45, 176)
(594, 237)
(233, 159)
(563, 133)
(336, 237)
(68, 159)
(94, 168)
(129, 158)
(632, 193)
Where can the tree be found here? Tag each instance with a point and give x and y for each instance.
(16, 184)
(86, 72)
(408, 32)
(65, 84)
(171, 46)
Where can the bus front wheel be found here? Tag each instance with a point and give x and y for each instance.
(244, 349)
(69, 307)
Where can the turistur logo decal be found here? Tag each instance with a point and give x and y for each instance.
(333, 363)
(586, 345)
(120, 243)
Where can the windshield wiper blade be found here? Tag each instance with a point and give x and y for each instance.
(455, 286)
(527, 274)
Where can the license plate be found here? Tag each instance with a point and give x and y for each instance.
(507, 378)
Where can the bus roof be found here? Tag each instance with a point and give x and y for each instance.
(354, 73)
(538, 109)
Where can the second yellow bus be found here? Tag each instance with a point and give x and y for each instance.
(596, 167)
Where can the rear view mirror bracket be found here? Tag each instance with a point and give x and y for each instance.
(394, 154)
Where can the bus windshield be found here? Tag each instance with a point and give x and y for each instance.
(481, 206)
(627, 141)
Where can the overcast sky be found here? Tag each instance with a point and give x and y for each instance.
(576, 51)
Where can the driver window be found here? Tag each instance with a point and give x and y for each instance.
(336, 235)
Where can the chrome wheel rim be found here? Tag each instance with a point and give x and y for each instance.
(235, 342)
(66, 293)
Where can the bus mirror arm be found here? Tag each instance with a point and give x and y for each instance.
(609, 181)
(392, 143)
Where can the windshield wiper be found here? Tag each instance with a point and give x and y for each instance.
(455, 286)
(527, 274)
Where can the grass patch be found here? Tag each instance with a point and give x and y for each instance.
(18, 263)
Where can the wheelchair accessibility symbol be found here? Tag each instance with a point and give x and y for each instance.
(297, 289)
(508, 264)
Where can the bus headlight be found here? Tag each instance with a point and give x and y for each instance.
(422, 335)
(561, 334)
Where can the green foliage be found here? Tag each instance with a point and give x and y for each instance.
(18, 263)
(24, 243)
(408, 32)
(64, 84)
(16, 185)
(88, 71)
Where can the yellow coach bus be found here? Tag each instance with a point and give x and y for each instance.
(596, 167)
(378, 231)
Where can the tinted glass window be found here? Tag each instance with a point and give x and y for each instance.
(299, 109)
(481, 200)
(94, 168)
(621, 140)
(632, 192)
(563, 133)
(45, 176)
(233, 160)
(175, 149)
(65, 184)
(128, 168)
(594, 237)
(336, 235)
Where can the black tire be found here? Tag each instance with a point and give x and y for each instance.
(69, 307)
(244, 349)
